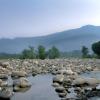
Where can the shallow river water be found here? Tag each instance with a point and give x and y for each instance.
(41, 89)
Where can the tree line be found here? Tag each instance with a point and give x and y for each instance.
(54, 52)
(95, 48)
(40, 53)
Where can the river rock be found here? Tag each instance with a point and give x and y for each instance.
(58, 78)
(89, 68)
(79, 81)
(60, 89)
(62, 95)
(98, 87)
(21, 83)
(3, 76)
(6, 93)
(92, 81)
(3, 83)
(55, 84)
(67, 71)
(86, 81)
(19, 74)
(36, 70)
(4, 64)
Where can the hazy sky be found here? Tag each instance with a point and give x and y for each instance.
(21, 18)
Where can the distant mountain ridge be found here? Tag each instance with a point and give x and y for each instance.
(68, 40)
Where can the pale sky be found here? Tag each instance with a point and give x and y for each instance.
(26, 18)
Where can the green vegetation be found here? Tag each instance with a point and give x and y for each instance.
(53, 53)
(85, 52)
(28, 53)
(71, 54)
(31, 53)
(9, 56)
(96, 48)
(41, 52)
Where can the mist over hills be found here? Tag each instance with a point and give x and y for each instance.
(68, 40)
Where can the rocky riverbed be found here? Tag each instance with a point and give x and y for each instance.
(68, 79)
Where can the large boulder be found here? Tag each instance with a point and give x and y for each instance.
(92, 81)
(19, 74)
(4, 64)
(86, 81)
(21, 83)
(79, 81)
(58, 78)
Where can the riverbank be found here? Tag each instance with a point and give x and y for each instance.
(66, 80)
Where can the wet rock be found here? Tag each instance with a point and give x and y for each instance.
(62, 95)
(16, 88)
(98, 87)
(21, 83)
(78, 89)
(3, 76)
(6, 93)
(88, 89)
(60, 89)
(55, 85)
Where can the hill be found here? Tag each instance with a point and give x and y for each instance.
(68, 40)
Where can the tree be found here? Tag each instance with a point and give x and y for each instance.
(85, 51)
(41, 52)
(96, 48)
(53, 53)
(28, 53)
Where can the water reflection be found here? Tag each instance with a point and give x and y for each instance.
(41, 89)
